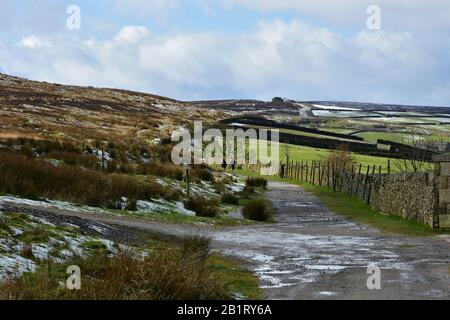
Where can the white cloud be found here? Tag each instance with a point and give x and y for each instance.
(131, 35)
(34, 42)
(292, 59)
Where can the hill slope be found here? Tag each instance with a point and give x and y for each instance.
(40, 109)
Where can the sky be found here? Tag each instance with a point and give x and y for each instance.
(226, 49)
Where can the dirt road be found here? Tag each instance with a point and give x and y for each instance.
(311, 253)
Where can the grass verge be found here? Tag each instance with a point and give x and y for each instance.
(242, 283)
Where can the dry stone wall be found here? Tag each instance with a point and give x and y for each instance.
(411, 196)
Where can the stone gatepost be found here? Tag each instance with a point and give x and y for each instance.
(442, 175)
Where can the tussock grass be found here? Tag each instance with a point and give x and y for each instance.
(202, 206)
(256, 182)
(258, 209)
(230, 198)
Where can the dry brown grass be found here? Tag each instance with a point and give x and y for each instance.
(36, 179)
(160, 169)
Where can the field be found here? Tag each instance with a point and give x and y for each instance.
(308, 154)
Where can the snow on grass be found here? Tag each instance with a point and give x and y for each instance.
(180, 208)
(61, 244)
(236, 188)
(339, 114)
(14, 265)
(154, 206)
(163, 206)
(102, 155)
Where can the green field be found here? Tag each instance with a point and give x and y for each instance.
(338, 130)
(373, 136)
(301, 153)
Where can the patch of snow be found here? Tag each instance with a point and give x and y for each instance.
(163, 206)
(41, 251)
(327, 293)
(319, 106)
(98, 229)
(99, 154)
(181, 209)
(14, 265)
(16, 231)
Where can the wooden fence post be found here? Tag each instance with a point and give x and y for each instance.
(301, 171)
(332, 176)
(307, 171)
(358, 179)
(103, 160)
(365, 182)
(293, 170)
(313, 178)
(328, 174)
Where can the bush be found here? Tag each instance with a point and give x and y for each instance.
(256, 182)
(160, 169)
(230, 198)
(180, 274)
(341, 158)
(202, 206)
(202, 174)
(258, 210)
